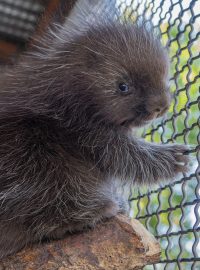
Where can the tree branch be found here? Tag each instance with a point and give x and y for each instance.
(119, 243)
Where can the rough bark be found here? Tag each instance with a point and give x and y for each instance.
(118, 244)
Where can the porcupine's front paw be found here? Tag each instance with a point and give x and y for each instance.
(173, 159)
(180, 154)
(164, 162)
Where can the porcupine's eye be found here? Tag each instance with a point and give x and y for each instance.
(123, 88)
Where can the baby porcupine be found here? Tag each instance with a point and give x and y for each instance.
(65, 144)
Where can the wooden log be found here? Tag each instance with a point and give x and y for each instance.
(117, 244)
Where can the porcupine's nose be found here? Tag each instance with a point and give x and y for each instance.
(158, 106)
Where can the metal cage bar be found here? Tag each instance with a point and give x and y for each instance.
(18, 18)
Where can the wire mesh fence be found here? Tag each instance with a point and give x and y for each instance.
(172, 211)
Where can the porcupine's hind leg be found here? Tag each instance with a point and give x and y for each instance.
(107, 204)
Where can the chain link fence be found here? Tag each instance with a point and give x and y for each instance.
(172, 211)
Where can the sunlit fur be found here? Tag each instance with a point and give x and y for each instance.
(65, 148)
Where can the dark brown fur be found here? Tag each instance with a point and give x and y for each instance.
(65, 131)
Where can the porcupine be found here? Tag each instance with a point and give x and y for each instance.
(66, 113)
